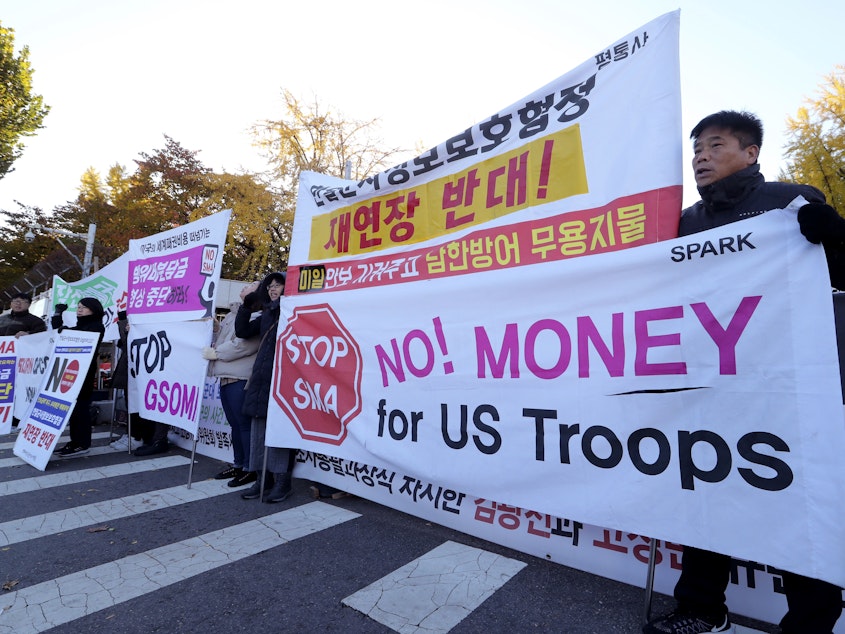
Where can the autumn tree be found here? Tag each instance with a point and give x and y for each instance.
(312, 137)
(815, 150)
(171, 187)
(21, 110)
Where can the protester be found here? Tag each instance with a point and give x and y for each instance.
(232, 359)
(726, 146)
(89, 317)
(19, 321)
(120, 381)
(277, 486)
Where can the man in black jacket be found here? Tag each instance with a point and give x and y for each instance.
(19, 321)
(726, 145)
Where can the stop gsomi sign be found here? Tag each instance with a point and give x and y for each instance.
(317, 378)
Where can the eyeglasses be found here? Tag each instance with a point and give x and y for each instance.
(275, 285)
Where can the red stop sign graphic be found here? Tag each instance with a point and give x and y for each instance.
(317, 379)
(69, 376)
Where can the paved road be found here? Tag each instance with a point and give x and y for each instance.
(113, 543)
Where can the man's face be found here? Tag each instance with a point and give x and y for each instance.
(19, 304)
(275, 289)
(717, 153)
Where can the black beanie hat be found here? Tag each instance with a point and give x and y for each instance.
(94, 305)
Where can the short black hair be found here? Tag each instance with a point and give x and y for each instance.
(24, 296)
(745, 126)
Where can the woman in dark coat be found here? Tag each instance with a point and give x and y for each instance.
(89, 317)
(279, 461)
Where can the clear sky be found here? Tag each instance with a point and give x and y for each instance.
(119, 74)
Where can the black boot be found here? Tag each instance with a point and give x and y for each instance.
(281, 489)
(253, 492)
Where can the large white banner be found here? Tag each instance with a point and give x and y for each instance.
(559, 174)
(687, 390)
(50, 411)
(33, 357)
(214, 434)
(167, 372)
(175, 275)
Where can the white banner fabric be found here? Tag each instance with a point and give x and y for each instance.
(167, 372)
(686, 390)
(33, 357)
(68, 367)
(175, 275)
(214, 434)
(557, 174)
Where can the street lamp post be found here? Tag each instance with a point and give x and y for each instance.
(85, 265)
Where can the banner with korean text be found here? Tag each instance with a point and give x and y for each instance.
(68, 364)
(107, 285)
(175, 275)
(559, 174)
(33, 360)
(686, 390)
(8, 366)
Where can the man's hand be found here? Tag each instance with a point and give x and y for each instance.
(209, 353)
(60, 308)
(820, 223)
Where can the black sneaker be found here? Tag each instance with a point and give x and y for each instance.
(71, 451)
(683, 623)
(245, 477)
(229, 473)
(159, 446)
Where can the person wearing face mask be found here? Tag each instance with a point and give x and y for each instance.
(277, 484)
(89, 317)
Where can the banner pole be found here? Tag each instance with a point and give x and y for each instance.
(649, 581)
(263, 474)
(128, 428)
(193, 455)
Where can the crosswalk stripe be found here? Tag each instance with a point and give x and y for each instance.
(58, 601)
(435, 592)
(35, 526)
(39, 483)
(98, 435)
(14, 461)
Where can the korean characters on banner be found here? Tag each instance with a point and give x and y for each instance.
(174, 275)
(73, 352)
(107, 285)
(8, 364)
(33, 361)
(558, 174)
(672, 393)
(167, 372)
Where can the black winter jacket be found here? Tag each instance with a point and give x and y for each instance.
(13, 323)
(257, 390)
(745, 194)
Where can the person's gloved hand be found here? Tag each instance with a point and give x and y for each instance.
(209, 353)
(121, 315)
(820, 223)
(60, 308)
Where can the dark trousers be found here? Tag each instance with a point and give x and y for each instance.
(80, 423)
(814, 606)
(232, 399)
